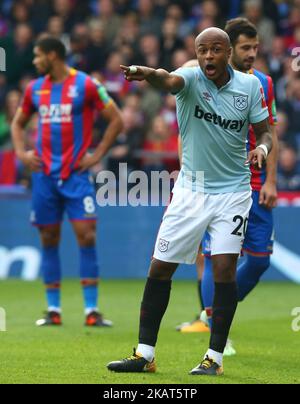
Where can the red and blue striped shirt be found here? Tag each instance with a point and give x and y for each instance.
(66, 115)
(258, 178)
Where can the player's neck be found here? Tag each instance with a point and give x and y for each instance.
(59, 73)
(222, 81)
(237, 68)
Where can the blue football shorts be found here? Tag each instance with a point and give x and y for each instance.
(52, 197)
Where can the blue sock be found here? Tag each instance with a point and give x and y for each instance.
(249, 273)
(208, 288)
(90, 295)
(50, 266)
(53, 298)
(89, 271)
(51, 272)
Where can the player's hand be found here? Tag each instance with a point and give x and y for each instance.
(257, 158)
(31, 160)
(88, 161)
(268, 195)
(138, 73)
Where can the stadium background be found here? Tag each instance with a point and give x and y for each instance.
(101, 35)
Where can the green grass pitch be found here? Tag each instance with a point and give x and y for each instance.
(268, 349)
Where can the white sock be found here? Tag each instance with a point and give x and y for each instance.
(203, 317)
(90, 310)
(216, 356)
(56, 309)
(147, 351)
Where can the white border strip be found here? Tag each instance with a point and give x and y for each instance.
(287, 262)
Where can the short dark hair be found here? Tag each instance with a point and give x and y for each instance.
(50, 44)
(240, 26)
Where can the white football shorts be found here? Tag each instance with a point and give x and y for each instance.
(191, 213)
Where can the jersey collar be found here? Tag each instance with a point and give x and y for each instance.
(212, 85)
(72, 72)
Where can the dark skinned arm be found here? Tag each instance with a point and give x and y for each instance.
(113, 116)
(263, 136)
(28, 158)
(268, 193)
(158, 78)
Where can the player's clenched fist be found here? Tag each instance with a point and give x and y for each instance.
(138, 73)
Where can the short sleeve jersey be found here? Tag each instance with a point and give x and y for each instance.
(214, 126)
(65, 119)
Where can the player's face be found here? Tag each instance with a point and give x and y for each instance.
(244, 53)
(41, 61)
(213, 58)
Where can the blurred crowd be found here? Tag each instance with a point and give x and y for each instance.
(102, 34)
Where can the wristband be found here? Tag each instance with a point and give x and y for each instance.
(265, 149)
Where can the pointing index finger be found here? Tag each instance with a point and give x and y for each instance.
(125, 68)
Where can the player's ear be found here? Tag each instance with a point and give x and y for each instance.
(52, 55)
(229, 53)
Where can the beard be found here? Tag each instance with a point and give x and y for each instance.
(45, 69)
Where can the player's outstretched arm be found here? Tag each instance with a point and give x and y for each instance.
(28, 158)
(263, 141)
(158, 78)
(112, 115)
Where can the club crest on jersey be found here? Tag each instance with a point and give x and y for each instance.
(163, 245)
(240, 102)
(73, 92)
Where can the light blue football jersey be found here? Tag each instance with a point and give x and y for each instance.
(214, 129)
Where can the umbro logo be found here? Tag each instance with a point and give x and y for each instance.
(207, 97)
